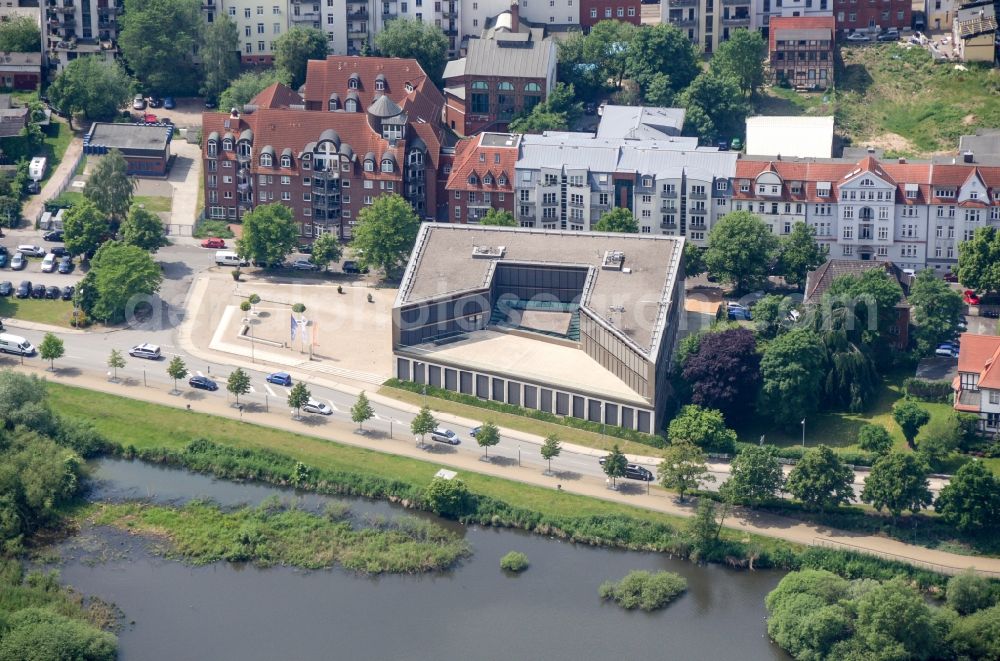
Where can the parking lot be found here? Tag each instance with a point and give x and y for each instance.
(33, 269)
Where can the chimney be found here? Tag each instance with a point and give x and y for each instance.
(871, 150)
(902, 160)
(234, 114)
(515, 16)
(968, 156)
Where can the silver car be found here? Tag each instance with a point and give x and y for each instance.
(442, 435)
(314, 406)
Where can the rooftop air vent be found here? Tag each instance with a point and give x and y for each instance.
(613, 260)
(490, 252)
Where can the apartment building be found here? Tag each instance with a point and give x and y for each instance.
(74, 28)
(977, 387)
(369, 126)
(765, 10)
(482, 176)
(854, 15)
(801, 50)
(707, 23)
(508, 70)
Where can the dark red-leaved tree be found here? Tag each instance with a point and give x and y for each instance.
(724, 374)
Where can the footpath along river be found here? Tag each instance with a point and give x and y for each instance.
(475, 611)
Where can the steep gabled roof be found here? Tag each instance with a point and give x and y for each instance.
(819, 281)
(276, 96)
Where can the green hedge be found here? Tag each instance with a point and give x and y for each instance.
(852, 457)
(500, 407)
(928, 391)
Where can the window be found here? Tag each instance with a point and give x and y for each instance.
(369, 165)
(286, 196)
(847, 251)
(380, 84)
(246, 12)
(721, 184)
(621, 12)
(386, 165)
(286, 161)
(212, 148)
(631, 10)
(994, 396)
(265, 160)
(472, 196)
(480, 97)
(473, 180)
(502, 181)
(488, 180)
(848, 233)
(593, 13)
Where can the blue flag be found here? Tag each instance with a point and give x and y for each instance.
(295, 326)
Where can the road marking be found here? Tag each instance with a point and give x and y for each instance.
(332, 405)
(198, 372)
(269, 391)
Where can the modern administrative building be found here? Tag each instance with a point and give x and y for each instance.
(578, 324)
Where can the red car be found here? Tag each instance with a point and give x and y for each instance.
(970, 297)
(213, 243)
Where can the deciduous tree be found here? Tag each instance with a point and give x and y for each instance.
(385, 233)
(755, 476)
(176, 369)
(51, 348)
(702, 427)
(116, 362)
(550, 449)
(20, 34)
(716, 107)
(298, 396)
(158, 40)
(423, 423)
(269, 234)
(326, 248)
(971, 500)
(897, 482)
(498, 218)
(684, 468)
(875, 439)
(143, 229)
(362, 411)
(724, 373)
(969, 592)
(792, 377)
(424, 42)
(92, 87)
(979, 260)
(618, 219)
(798, 252)
(742, 57)
(487, 436)
(110, 187)
(662, 60)
(448, 498)
(864, 307)
(614, 465)
(694, 260)
(772, 315)
(820, 479)
(294, 49)
(85, 227)
(910, 417)
(220, 56)
(740, 250)
(122, 275)
(936, 307)
(249, 85)
(238, 383)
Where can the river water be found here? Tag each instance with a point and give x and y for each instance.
(177, 612)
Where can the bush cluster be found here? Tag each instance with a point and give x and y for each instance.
(645, 590)
(514, 561)
(927, 391)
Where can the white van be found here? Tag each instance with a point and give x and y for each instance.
(15, 344)
(49, 263)
(229, 258)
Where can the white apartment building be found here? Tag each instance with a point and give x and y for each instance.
(74, 28)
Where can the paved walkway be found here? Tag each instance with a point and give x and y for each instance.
(656, 500)
(62, 174)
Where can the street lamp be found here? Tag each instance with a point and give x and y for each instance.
(803, 433)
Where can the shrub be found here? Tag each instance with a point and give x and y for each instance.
(515, 561)
(645, 590)
(213, 229)
(968, 592)
(927, 391)
(577, 423)
(448, 498)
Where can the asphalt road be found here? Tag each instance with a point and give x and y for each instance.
(181, 262)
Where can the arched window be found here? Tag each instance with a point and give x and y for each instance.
(307, 161)
(386, 165)
(480, 85)
(243, 149)
(265, 160)
(227, 144)
(286, 161)
(369, 165)
(505, 86)
(351, 105)
(353, 82)
(532, 87)
(380, 85)
(213, 148)
(334, 104)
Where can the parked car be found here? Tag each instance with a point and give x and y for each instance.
(950, 277)
(31, 250)
(49, 263)
(305, 248)
(210, 104)
(54, 235)
(315, 406)
(280, 378)
(34, 188)
(67, 292)
(138, 103)
(145, 350)
(970, 297)
(38, 291)
(961, 324)
(888, 36)
(169, 103)
(634, 471)
(303, 265)
(213, 243)
(351, 266)
(6, 288)
(203, 383)
(857, 36)
(24, 289)
(4, 257)
(947, 349)
(442, 435)
(18, 261)
(723, 145)
(736, 144)
(52, 292)
(155, 102)
(65, 264)
(474, 431)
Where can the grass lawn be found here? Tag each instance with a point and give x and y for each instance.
(41, 310)
(840, 430)
(900, 99)
(145, 425)
(154, 203)
(68, 198)
(521, 423)
(213, 228)
(57, 139)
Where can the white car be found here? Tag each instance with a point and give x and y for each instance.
(145, 350)
(442, 435)
(947, 350)
(857, 36)
(314, 406)
(49, 263)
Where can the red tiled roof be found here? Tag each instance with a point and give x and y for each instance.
(467, 162)
(981, 354)
(818, 281)
(276, 96)
(778, 23)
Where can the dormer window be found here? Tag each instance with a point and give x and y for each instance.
(286, 161)
(482, 158)
(369, 166)
(243, 149)
(380, 85)
(502, 180)
(354, 82)
(351, 105)
(488, 180)
(334, 104)
(473, 180)
(306, 161)
(265, 160)
(647, 182)
(213, 149)
(416, 157)
(227, 144)
(973, 195)
(386, 165)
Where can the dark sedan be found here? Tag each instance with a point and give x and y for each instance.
(52, 292)
(67, 292)
(24, 289)
(54, 235)
(38, 291)
(66, 264)
(6, 288)
(203, 383)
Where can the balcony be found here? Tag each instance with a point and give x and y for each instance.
(697, 195)
(737, 3)
(450, 11)
(361, 33)
(359, 15)
(668, 193)
(743, 21)
(451, 32)
(683, 22)
(668, 209)
(668, 226)
(66, 9)
(111, 11)
(683, 3)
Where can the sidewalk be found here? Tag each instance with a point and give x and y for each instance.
(659, 500)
